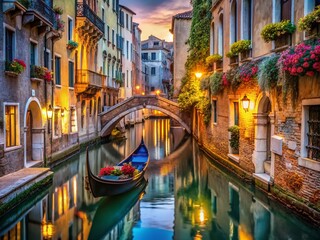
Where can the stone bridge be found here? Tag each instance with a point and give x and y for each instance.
(110, 118)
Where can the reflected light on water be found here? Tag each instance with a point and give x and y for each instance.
(201, 216)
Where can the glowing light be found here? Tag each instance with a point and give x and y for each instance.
(198, 74)
(201, 215)
(143, 93)
(245, 103)
(47, 230)
(158, 92)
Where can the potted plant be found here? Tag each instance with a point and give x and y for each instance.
(279, 32)
(60, 25)
(214, 58)
(268, 73)
(58, 10)
(242, 47)
(38, 72)
(233, 58)
(310, 22)
(234, 138)
(71, 45)
(15, 67)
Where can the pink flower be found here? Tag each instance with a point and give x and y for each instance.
(316, 65)
(305, 64)
(299, 69)
(313, 56)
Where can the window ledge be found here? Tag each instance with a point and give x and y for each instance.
(234, 157)
(309, 163)
(9, 149)
(58, 85)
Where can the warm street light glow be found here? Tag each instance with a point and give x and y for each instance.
(198, 74)
(137, 87)
(62, 112)
(245, 103)
(143, 93)
(158, 92)
(47, 230)
(49, 112)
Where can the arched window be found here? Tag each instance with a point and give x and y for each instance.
(233, 22)
(246, 19)
(220, 35)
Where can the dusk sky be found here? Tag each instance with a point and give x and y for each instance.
(154, 16)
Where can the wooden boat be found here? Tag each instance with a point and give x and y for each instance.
(112, 210)
(112, 185)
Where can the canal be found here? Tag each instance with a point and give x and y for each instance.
(187, 196)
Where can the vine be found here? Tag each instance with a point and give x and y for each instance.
(190, 93)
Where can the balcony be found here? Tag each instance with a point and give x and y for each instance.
(39, 15)
(15, 7)
(88, 24)
(89, 82)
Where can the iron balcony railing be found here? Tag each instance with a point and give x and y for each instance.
(89, 77)
(83, 10)
(43, 10)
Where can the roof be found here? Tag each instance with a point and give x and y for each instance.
(184, 15)
(128, 9)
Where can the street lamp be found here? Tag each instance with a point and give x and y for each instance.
(245, 103)
(198, 74)
(158, 92)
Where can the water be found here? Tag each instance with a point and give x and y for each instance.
(187, 197)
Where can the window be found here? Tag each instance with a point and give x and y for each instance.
(310, 5)
(11, 125)
(247, 19)
(122, 18)
(33, 53)
(9, 43)
(212, 47)
(56, 123)
(220, 35)
(282, 10)
(127, 78)
(71, 74)
(233, 22)
(73, 120)
(144, 56)
(108, 33)
(127, 21)
(113, 37)
(313, 150)
(70, 28)
(102, 14)
(83, 113)
(214, 111)
(153, 56)
(114, 5)
(153, 71)
(130, 26)
(156, 43)
(127, 49)
(236, 113)
(47, 59)
(57, 70)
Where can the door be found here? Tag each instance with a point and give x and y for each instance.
(29, 136)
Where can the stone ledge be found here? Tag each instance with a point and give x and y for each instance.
(309, 163)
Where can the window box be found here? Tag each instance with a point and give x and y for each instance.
(219, 64)
(245, 55)
(71, 45)
(11, 74)
(282, 41)
(234, 60)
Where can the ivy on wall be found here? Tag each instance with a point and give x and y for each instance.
(190, 93)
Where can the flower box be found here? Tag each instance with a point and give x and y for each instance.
(314, 31)
(219, 65)
(234, 60)
(71, 45)
(282, 41)
(245, 55)
(11, 74)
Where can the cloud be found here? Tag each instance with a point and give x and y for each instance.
(155, 16)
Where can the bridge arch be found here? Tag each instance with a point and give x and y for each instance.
(112, 116)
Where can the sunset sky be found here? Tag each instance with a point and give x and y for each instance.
(154, 16)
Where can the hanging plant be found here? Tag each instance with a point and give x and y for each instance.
(213, 58)
(301, 60)
(235, 136)
(231, 54)
(247, 72)
(216, 83)
(204, 106)
(229, 78)
(273, 31)
(268, 73)
(309, 21)
(205, 83)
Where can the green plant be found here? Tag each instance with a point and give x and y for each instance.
(235, 136)
(268, 73)
(72, 44)
(231, 54)
(273, 31)
(240, 46)
(307, 22)
(213, 58)
(204, 106)
(17, 66)
(41, 73)
(216, 83)
(204, 83)
(58, 10)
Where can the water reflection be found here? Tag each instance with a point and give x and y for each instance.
(187, 197)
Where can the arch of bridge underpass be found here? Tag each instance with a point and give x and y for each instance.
(111, 124)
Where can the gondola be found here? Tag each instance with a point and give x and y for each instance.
(113, 185)
(112, 210)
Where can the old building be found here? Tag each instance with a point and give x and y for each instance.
(26, 82)
(278, 127)
(180, 28)
(157, 55)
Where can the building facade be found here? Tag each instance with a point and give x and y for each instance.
(157, 55)
(180, 28)
(278, 143)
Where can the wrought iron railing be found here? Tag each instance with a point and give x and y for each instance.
(83, 10)
(85, 76)
(43, 9)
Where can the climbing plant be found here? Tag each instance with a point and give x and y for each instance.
(190, 93)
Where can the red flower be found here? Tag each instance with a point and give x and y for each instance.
(316, 65)
(299, 69)
(310, 73)
(305, 64)
(106, 171)
(21, 62)
(127, 169)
